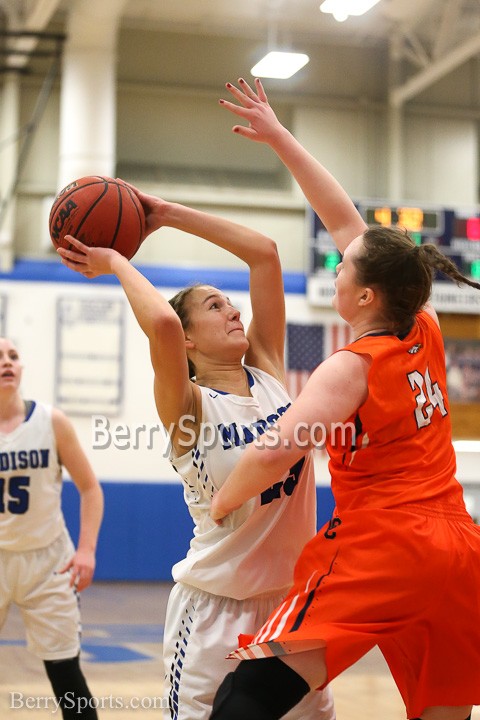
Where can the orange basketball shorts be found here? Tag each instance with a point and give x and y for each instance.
(407, 580)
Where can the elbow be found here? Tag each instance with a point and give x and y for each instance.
(272, 460)
(167, 323)
(165, 328)
(270, 250)
(266, 253)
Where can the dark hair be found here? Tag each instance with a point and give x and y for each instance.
(403, 272)
(180, 305)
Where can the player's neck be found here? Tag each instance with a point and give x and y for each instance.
(12, 411)
(228, 379)
(374, 331)
(370, 326)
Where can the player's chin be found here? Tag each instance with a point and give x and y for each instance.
(9, 381)
(340, 309)
(238, 336)
(243, 343)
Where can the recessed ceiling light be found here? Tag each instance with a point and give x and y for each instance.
(280, 65)
(342, 9)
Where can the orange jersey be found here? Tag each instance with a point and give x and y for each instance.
(400, 451)
(397, 566)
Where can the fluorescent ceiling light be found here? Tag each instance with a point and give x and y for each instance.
(279, 65)
(341, 9)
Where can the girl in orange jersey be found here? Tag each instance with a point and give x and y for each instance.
(397, 566)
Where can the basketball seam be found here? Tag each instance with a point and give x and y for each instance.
(119, 214)
(90, 209)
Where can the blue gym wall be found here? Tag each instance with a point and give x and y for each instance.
(146, 528)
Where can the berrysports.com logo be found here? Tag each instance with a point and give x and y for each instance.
(186, 434)
(78, 704)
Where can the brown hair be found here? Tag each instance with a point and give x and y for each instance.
(403, 272)
(180, 305)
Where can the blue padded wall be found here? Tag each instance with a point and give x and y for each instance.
(146, 528)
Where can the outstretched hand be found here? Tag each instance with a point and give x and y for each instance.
(88, 261)
(264, 125)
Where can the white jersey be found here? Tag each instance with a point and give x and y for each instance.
(30, 483)
(253, 553)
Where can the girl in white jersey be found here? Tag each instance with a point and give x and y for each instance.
(234, 574)
(40, 570)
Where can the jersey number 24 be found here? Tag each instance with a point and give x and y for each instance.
(428, 397)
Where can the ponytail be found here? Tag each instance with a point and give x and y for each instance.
(402, 272)
(430, 255)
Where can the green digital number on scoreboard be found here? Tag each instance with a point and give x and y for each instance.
(456, 232)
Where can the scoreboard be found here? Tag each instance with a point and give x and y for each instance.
(456, 232)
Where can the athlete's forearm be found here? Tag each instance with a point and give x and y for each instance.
(324, 193)
(249, 245)
(248, 479)
(262, 464)
(149, 306)
(91, 514)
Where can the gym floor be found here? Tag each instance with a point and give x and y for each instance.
(122, 660)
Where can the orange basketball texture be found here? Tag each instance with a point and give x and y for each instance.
(100, 212)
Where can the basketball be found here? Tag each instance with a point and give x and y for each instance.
(100, 212)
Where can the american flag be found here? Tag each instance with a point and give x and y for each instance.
(307, 346)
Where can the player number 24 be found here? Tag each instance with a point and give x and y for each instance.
(429, 397)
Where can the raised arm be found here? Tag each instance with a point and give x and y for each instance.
(266, 333)
(72, 456)
(323, 192)
(174, 393)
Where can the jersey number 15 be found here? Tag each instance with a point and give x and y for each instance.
(15, 498)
